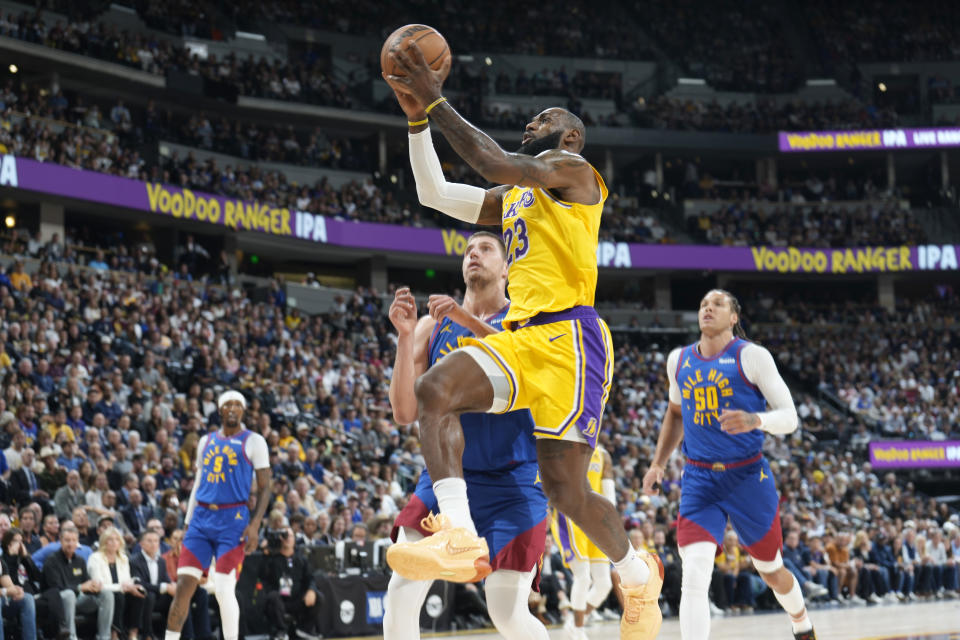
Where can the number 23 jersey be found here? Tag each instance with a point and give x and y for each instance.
(551, 250)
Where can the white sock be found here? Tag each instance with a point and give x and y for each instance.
(171, 635)
(792, 603)
(633, 571)
(452, 497)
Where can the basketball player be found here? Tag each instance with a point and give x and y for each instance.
(218, 523)
(500, 458)
(555, 356)
(720, 391)
(589, 567)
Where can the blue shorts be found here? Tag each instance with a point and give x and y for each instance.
(215, 534)
(747, 495)
(508, 508)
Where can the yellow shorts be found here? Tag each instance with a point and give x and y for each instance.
(561, 369)
(572, 542)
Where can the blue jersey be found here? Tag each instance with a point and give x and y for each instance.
(707, 387)
(226, 473)
(492, 442)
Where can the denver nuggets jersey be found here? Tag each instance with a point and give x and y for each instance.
(226, 473)
(493, 442)
(707, 387)
(595, 470)
(551, 250)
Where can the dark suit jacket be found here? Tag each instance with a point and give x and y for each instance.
(139, 569)
(130, 517)
(20, 487)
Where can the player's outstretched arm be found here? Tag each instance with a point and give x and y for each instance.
(413, 336)
(671, 429)
(555, 169)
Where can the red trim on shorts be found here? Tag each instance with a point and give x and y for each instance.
(410, 516)
(524, 552)
(231, 560)
(767, 547)
(188, 559)
(689, 532)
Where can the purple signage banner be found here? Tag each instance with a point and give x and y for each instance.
(914, 454)
(867, 139)
(184, 204)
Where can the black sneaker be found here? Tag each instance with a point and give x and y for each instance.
(805, 635)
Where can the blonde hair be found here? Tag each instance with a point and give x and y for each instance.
(107, 533)
(860, 538)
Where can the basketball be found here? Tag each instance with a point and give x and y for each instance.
(432, 44)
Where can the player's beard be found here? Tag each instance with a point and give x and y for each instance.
(536, 146)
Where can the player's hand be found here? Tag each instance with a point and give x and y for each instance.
(446, 307)
(736, 422)
(419, 80)
(653, 480)
(403, 312)
(250, 534)
(410, 105)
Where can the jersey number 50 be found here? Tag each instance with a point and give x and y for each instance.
(518, 232)
(706, 398)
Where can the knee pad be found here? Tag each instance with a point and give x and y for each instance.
(507, 603)
(600, 584)
(580, 586)
(224, 584)
(697, 559)
(768, 566)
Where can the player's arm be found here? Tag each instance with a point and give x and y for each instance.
(192, 502)
(760, 369)
(410, 363)
(671, 428)
(257, 452)
(608, 483)
(443, 306)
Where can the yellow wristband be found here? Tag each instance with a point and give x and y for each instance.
(433, 104)
(418, 122)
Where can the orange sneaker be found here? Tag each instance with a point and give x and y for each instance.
(452, 554)
(642, 618)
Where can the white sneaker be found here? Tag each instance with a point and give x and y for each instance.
(815, 590)
(855, 599)
(573, 632)
(594, 617)
(610, 616)
(715, 611)
(874, 598)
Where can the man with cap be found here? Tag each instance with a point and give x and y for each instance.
(218, 520)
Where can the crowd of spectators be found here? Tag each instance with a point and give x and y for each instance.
(110, 379)
(753, 223)
(559, 82)
(301, 79)
(859, 32)
(734, 47)
(759, 117)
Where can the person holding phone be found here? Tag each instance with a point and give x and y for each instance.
(111, 567)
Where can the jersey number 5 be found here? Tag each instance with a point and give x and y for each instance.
(518, 232)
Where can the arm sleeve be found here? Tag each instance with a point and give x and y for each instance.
(761, 370)
(256, 449)
(609, 489)
(673, 361)
(460, 201)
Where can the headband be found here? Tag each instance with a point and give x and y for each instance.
(227, 396)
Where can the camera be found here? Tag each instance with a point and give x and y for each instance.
(275, 538)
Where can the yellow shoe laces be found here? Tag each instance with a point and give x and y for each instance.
(434, 523)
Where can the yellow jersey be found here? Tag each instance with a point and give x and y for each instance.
(551, 251)
(595, 470)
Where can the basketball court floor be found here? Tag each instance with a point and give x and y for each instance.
(916, 621)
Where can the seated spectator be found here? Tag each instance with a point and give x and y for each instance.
(17, 577)
(66, 572)
(110, 566)
(288, 583)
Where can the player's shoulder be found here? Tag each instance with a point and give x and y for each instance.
(753, 350)
(255, 438)
(563, 157)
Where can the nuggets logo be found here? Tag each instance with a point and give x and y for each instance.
(213, 462)
(706, 395)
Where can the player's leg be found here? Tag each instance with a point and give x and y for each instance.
(600, 585)
(227, 570)
(454, 385)
(507, 595)
(697, 564)
(196, 553)
(405, 598)
(579, 588)
(752, 503)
